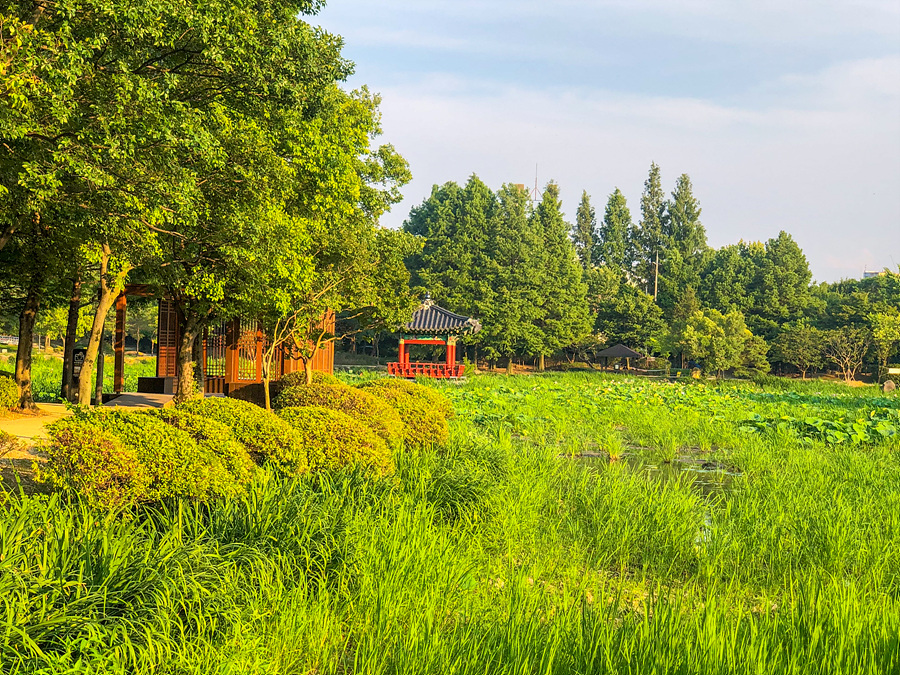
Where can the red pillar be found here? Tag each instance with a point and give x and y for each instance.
(403, 356)
(119, 346)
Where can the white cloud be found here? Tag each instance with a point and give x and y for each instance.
(821, 160)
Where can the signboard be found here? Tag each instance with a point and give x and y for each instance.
(77, 361)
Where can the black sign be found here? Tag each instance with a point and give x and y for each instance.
(77, 361)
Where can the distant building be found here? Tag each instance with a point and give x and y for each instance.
(869, 274)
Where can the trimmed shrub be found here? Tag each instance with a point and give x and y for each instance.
(176, 465)
(9, 392)
(335, 440)
(215, 438)
(298, 379)
(423, 425)
(429, 397)
(260, 431)
(93, 462)
(361, 405)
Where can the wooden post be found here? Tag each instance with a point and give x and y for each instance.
(119, 345)
(232, 335)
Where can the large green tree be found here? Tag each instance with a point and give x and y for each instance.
(612, 246)
(584, 234)
(686, 248)
(648, 239)
(563, 317)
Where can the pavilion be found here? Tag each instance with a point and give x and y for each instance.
(619, 351)
(231, 353)
(432, 325)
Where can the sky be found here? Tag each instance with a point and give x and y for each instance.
(784, 113)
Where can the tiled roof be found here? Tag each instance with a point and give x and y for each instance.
(431, 319)
(619, 351)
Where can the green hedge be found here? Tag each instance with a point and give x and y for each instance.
(361, 405)
(170, 463)
(9, 392)
(423, 425)
(88, 460)
(260, 431)
(335, 440)
(428, 397)
(215, 438)
(298, 379)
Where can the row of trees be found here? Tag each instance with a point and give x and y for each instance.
(654, 284)
(207, 150)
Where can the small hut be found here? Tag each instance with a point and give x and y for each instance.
(432, 325)
(619, 351)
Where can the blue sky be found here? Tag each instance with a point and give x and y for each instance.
(786, 115)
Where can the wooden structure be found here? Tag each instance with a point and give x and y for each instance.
(232, 352)
(619, 351)
(432, 325)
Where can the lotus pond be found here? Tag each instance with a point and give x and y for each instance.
(742, 529)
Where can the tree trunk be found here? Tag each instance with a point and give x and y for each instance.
(101, 365)
(7, 234)
(541, 363)
(509, 366)
(198, 363)
(47, 347)
(23, 352)
(68, 382)
(308, 368)
(107, 298)
(187, 387)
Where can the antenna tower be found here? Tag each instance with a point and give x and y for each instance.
(534, 194)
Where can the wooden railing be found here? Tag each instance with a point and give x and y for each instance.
(425, 370)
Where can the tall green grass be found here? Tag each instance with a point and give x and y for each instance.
(496, 554)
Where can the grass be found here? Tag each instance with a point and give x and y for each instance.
(46, 373)
(498, 553)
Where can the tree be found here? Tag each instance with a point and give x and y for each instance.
(563, 311)
(648, 239)
(629, 316)
(768, 282)
(686, 248)
(800, 345)
(722, 342)
(885, 329)
(584, 235)
(847, 347)
(454, 225)
(612, 245)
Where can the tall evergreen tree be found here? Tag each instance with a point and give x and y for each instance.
(612, 245)
(648, 239)
(452, 266)
(584, 234)
(686, 248)
(564, 310)
(514, 273)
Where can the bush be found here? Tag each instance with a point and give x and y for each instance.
(335, 440)
(423, 425)
(90, 461)
(9, 392)
(176, 466)
(214, 438)
(429, 397)
(298, 379)
(260, 431)
(360, 405)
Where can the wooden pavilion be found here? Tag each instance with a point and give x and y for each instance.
(619, 351)
(432, 325)
(232, 352)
